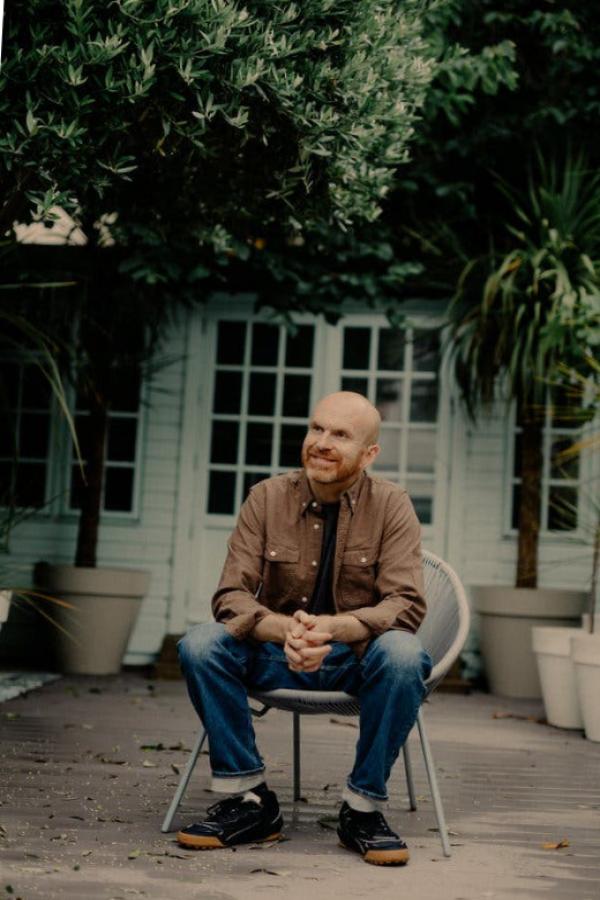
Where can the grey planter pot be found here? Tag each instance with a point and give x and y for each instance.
(103, 607)
(507, 617)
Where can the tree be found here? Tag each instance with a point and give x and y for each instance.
(175, 133)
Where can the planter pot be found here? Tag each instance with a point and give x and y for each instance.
(96, 626)
(507, 617)
(5, 597)
(586, 658)
(552, 648)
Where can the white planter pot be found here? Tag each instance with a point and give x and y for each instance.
(96, 626)
(5, 597)
(552, 647)
(507, 617)
(586, 657)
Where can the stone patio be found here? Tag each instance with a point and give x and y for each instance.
(89, 766)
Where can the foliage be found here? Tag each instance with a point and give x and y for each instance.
(207, 115)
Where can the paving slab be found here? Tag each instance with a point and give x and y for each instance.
(88, 766)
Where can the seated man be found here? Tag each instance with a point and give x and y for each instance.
(321, 590)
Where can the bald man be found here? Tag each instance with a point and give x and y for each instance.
(321, 590)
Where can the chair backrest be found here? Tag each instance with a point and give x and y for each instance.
(444, 629)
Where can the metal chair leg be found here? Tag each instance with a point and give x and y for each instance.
(296, 741)
(435, 793)
(409, 776)
(183, 781)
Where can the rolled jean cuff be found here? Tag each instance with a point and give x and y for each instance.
(235, 784)
(353, 795)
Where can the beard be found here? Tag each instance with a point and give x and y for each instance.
(325, 469)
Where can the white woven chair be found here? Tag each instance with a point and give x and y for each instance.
(442, 633)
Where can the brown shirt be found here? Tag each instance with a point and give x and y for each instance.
(275, 549)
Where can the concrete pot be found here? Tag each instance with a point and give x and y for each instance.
(5, 598)
(507, 617)
(552, 648)
(103, 607)
(586, 658)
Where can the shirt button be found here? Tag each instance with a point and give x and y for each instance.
(304, 600)
(273, 553)
(314, 504)
(363, 559)
(316, 527)
(314, 562)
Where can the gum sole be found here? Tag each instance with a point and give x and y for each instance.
(192, 842)
(383, 857)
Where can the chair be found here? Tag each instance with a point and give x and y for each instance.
(442, 633)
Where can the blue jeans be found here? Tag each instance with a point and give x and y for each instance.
(389, 680)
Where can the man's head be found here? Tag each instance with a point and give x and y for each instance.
(341, 440)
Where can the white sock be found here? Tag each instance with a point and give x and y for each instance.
(251, 797)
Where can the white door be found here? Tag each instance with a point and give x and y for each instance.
(251, 385)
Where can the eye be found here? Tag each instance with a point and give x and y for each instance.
(341, 434)
(316, 428)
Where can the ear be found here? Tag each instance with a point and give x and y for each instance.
(371, 454)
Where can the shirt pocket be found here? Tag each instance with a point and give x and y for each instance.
(280, 574)
(357, 577)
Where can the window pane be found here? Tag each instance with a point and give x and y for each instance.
(118, 490)
(9, 385)
(562, 509)
(36, 389)
(7, 436)
(389, 457)
(421, 450)
(224, 445)
(299, 348)
(83, 434)
(30, 489)
(426, 351)
(33, 437)
(563, 468)
(265, 344)
(296, 395)
(129, 395)
(356, 348)
(227, 397)
(423, 401)
(252, 478)
(421, 494)
(121, 440)
(566, 407)
(516, 499)
(261, 399)
(7, 474)
(221, 493)
(518, 460)
(259, 441)
(358, 385)
(76, 487)
(292, 437)
(388, 399)
(231, 342)
(391, 349)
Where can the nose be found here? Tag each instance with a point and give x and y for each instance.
(324, 441)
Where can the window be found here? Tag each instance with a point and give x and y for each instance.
(122, 453)
(260, 403)
(561, 480)
(25, 419)
(398, 372)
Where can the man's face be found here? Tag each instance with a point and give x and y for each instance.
(337, 446)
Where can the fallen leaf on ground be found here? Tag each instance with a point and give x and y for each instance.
(509, 715)
(134, 854)
(268, 872)
(176, 769)
(343, 722)
(329, 822)
(152, 746)
(148, 765)
(556, 845)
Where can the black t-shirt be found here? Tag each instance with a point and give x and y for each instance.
(321, 602)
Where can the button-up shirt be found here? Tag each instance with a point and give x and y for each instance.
(275, 550)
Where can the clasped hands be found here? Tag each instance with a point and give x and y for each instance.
(307, 641)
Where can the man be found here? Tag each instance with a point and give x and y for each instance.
(322, 590)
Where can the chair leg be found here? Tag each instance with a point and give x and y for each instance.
(296, 740)
(183, 781)
(435, 793)
(409, 776)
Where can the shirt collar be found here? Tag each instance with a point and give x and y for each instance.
(308, 501)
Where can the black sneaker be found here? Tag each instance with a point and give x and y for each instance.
(371, 836)
(235, 821)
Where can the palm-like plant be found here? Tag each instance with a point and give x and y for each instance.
(515, 315)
